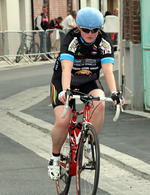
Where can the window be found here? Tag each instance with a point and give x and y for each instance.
(69, 6)
(88, 3)
(45, 2)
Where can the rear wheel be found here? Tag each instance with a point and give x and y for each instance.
(87, 177)
(63, 184)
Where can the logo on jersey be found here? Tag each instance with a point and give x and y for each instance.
(73, 45)
(79, 54)
(95, 47)
(86, 72)
(93, 52)
(105, 46)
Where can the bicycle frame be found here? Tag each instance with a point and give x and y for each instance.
(74, 161)
(75, 133)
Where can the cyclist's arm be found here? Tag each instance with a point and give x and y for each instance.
(66, 77)
(66, 73)
(109, 76)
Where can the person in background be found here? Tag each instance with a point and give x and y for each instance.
(111, 27)
(107, 13)
(68, 23)
(116, 12)
(70, 20)
(54, 23)
(42, 24)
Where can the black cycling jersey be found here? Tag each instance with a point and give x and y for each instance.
(87, 61)
(87, 58)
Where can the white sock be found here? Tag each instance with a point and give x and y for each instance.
(55, 157)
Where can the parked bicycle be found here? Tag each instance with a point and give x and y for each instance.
(31, 51)
(82, 136)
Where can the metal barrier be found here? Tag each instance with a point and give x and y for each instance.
(29, 46)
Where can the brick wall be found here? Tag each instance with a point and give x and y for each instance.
(37, 7)
(131, 21)
(56, 8)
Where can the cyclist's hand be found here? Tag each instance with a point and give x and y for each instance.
(62, 96)
(117, 97)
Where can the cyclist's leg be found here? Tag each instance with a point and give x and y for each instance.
(60, 131)
(97, 118)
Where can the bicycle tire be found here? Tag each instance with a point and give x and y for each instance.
(20, 53)
(87, 176)
(34, 49)
(63, 184)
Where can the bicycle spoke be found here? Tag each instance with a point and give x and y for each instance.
(88, 169)
(63, 184)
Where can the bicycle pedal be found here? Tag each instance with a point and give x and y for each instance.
(62, 157)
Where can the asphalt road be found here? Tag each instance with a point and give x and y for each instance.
(22, 170)
(25, 150)
(18, 79)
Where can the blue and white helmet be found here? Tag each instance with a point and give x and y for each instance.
(90, 18)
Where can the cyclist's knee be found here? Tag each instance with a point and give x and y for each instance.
(100, 107)
(64, 123)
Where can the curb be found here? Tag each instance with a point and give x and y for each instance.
(124, 161)
(131, 164)
(5, 66)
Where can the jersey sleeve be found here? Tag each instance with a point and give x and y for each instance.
(106, 50)
(69, 47)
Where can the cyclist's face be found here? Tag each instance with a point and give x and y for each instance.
(88, 37)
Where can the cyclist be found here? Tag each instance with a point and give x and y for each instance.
(85, 50)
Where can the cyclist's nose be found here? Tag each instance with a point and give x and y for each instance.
(90, 32)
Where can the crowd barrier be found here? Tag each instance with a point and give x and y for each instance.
(16, 46)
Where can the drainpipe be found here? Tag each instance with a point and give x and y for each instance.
(121, 71)
(32, 12)
(79, 4)
(100, 5)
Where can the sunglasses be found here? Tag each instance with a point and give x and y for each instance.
(88, 30)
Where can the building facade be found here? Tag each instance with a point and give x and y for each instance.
(133, 81)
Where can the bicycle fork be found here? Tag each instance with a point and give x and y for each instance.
(75, 135)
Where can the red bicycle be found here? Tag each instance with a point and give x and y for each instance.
(81, 136)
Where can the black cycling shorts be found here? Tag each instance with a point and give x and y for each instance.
(56, 88)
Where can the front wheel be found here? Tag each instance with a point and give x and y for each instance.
(63, 184)
(21, 51)
(34, 51)
(88, 167)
